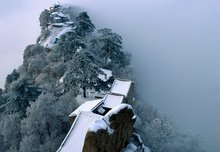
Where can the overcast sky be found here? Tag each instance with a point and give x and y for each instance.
(175, 46)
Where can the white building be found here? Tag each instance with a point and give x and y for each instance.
(125, 88)
(90, 112)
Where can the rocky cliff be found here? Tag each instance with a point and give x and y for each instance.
(114, 134)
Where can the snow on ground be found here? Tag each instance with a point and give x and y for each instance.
(79, 49)
(74, 140)
(121, 87)
(61, 80)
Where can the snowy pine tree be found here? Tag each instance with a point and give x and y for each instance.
(83, 71)
(68, 45)
(111, 45)
(44, 19)
(85, 25)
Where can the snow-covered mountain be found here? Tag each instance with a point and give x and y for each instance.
(72, 62)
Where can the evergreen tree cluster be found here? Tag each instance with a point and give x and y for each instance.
(34, 104)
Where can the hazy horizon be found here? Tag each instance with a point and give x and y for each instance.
(175, 47)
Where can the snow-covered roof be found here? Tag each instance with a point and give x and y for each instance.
(61, 15)
(58, 14)
(69, 22)
(121, 87)
(87, 106)
(57, 18)
(106, 76)
(54, 13)
(74, 140)
(58, 24)
(110, 101)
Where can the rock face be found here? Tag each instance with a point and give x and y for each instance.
(112, 132)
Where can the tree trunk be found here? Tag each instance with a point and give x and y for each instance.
(48, 128)
(84, 33)
(105, 61)
(84, 92)
(107, 55)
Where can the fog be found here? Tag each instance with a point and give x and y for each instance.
(175, 47)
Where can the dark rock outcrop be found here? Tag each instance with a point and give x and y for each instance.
(112, 132)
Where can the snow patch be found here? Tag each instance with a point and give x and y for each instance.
(61, 80)
(79, 49)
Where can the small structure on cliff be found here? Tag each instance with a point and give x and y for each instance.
(125, 88)
(111, 132)
(104, 125)
(92, 132)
